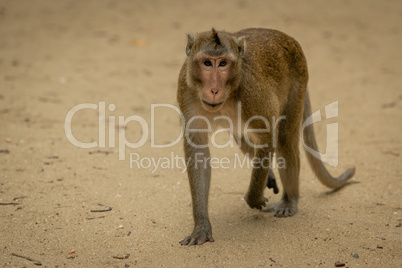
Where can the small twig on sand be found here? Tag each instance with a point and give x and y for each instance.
(102, 210)
(92, 218)
(11, 203)
(391, 153)
(20, 197)
(27, 258)
(121, 258)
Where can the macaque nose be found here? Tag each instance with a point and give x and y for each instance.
(214, 91)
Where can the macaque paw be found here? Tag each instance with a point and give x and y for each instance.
(257, 203)
(283, 208)
(271, 182)
(198, 237)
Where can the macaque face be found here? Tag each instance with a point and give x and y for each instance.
(214, 73)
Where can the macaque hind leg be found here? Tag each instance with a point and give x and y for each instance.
(287, 206)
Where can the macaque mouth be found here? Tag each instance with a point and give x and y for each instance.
(213, 105)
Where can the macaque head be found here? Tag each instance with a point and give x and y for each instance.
(214, 66)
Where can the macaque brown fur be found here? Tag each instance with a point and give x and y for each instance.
(263, 73)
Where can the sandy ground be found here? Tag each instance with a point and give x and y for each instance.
(55, 55)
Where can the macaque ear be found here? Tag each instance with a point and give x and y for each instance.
(241, 45)
(216, 37)
(190, 43)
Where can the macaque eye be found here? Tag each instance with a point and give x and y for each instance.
(207, 63)
(222, 63)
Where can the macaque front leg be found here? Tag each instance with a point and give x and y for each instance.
(259, 177)
(249, 151)
(199, 174)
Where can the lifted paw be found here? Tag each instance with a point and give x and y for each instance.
(256, 203)
(271, 182)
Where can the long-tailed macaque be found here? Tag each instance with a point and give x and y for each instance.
(259, 75)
